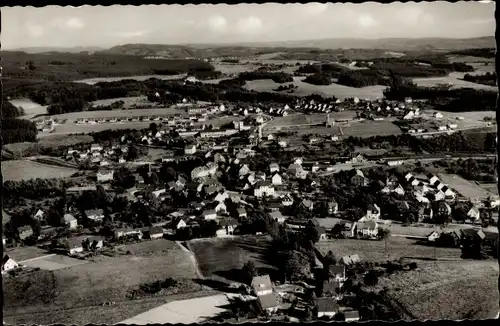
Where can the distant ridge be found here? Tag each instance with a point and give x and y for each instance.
(46, 49)
(220, 49)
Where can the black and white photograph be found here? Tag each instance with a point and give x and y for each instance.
(249, 163)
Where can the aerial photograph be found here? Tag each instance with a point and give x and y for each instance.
(249, 163)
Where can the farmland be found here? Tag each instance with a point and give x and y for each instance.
(466, 188)
(455, 78)
(53, 262)
(25, 253)
(445, 290)
(374, 251)
(93, 81)
(304, 89)
(101, 279)
(30, 108)
(220, 258)
(371, 128)
(17, 170)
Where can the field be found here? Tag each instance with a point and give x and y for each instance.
(374, 251)
(92, 81)
(119, 113)
(471, 119)
(17, 170)
(128, 101)
(454, 78)
(219, 259)
(476, 62)
(188, 311)
(466, 188)
(305, 119)
(30, 108)
(489, 187)
(228, 68)
(71, 128)
(304, 89)
(371, 128)
(445, 290)
(101, 279)
(54, 262)
(20, 254)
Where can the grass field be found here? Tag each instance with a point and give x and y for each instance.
(228, 68)
(304, 89)
(454, 78)
(446, 290)
(304, 119)
(128, 101)
(30, 108)
(476, 62)
(466, 188)
(17, 170)
(53, 263)
(371, 128)
(471, 119)
(374, 251)
(220, 258)
(92, 81)
(489, 187)
(101, 279)
(25, 253)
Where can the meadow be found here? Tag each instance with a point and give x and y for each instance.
(17, 170)
(455, 79)
(466, 188)
(93, 81)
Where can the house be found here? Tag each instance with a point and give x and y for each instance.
(94, 242)
(219, 158)
(105, 175)
(437, 115)
(127, 232)
(8, 264)
(209, 214)
(394, 188)
(351, 315)
(277, 216)
(70, 221)
(367, 229)
(262, 285)
(373, 212)
(73, 246)
(204, 171)
(287, 200)
(268, 302)
(448, 193)
(244, 170)
(259, 175)
(442, 208)
(350, 259)
(295, 170)
(242, 213)
(276, 179)
(221, 207)
(433, 236)
(307, 204)
(264, 188)
(274, 167)
(474, 214)
(337, 273)
(327, 307)
(179, 224)
(392, 180)
(155, 232)
(333, 207)
(190, 149)
(39, 215)
(395, 162)
(358, 179)
(229, 225)
(96, 148)
(425, 213)
(439, 196)
(221, 196)
(95, 214)
(25, 232)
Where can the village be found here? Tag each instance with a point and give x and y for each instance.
(211, 181)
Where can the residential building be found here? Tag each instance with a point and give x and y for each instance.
(8, 264)
(474, 214)
(204, 171)
(351, 315)
(277, 216)
(155, 232)
(262, 285)
(337, 273)
(442, 208)
(287, 200)
(327, 307)
(70, 221)
(358, 179)
(229, 225)
(73, 246)
(350, 259)
(96, 148)
(264, 188)
(367, 229)
(95, 214)
(209, 214)
(123, 232)
(242, 213)
(307, 204)
(268, 302)
(276, 179)
(39, 215)
(433, 236)
(190, 149)
(333, 207)
(105, 175)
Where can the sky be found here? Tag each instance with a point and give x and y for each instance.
(100, 26)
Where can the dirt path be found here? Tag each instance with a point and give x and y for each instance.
(193, 259)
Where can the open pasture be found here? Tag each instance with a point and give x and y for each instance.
(455, 79)
(17, 170)
(305, 89)
(128, 101)
(375, 251)
(54, 262)
(371, 128)
(93, 81)
(30, 108)
(220, 258)
(445, 290)
(465, 187)
(20, 254)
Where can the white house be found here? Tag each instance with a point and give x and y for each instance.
(262, 285)
(394, 163)
(39, 215)
(433, 236)
(221, 207)
(180, 224)
(439, 195)
(274, 167)
(70, 221)
(276, 179)
(437, 115)
(105, 175)
(442, 128)
(327, 307)
(190, 149)
(95, 214)
(221, 197)
(474, 214)
(210, 215)
(8, 264)
(96, 148)
(264, 188)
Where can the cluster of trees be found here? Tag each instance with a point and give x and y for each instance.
(486, 79)
(204, 73)
(480, 52)
(277, 77)
(319, 78)
(205, 229)
(471, 169)
(17, 130)
(11, 111)
(454, 143)
(361, 78)
(285, 87)
(113, 106)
